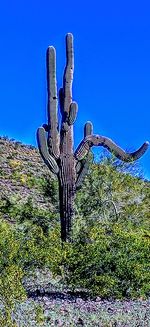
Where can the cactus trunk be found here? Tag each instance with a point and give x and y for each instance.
(66, 195)
(67, 180)
(57, 148)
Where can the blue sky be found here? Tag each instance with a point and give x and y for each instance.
(112, 67)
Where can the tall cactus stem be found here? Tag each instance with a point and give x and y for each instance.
(53, 135)
(68, 73)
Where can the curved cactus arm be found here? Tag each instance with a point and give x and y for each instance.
(82, 175)
(43, 148)
(88, 129)
(98, 140)
(68, 73)
(53, 134)
(78, 166)
(84, 167)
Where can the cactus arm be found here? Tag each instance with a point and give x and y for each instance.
(81, 176)
(98, 140)
(78, 166)
(53, 134)
(88, 129)
(71, 118)
(67, 107)
(43, 148)
(68, 73)
(84, 167)
(72, 113)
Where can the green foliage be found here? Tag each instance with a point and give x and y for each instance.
(10, 285)
(36, 249)
(110, 260)
(11, 288)
(19, 212)
(106, 184)
(39, 315)
(49, 187)
(9, 246)
(21, 248)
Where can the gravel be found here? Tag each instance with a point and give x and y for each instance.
(49, 304)
(79, 312)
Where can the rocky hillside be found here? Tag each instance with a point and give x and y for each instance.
(23, 174)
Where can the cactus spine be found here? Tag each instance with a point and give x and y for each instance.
(56, 144)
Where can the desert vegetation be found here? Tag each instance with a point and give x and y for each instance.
(102, 278)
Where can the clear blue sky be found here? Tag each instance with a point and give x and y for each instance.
(112, 67)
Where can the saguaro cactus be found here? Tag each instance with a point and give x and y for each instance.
(56, 144)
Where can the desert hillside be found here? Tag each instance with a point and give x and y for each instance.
(23, 173)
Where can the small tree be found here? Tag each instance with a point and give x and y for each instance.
(57, 148)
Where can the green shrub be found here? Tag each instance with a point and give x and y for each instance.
(27, 212)
(49, 187)
(111, 181)
(11, 274)
(111, 261)
(23, 247)
(9, 245)
(37, 249)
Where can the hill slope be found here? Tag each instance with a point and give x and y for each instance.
(22, 174)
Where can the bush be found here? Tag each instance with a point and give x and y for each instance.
(11, 288)
(110, 182)
(111, 261)
(27, 212)
(37, 249)
(22, 248)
